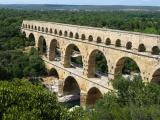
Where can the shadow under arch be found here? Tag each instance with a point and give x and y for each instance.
(127, 66)
(71, 86)
(93, 95)
(53, 72)
(97, 64)
(156, 77)
(31, 39)
(54, 50)
(73, 57)
(42, 46)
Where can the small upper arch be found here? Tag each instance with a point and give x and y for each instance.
(108, 41)
(60, 33)
(55, 31)
(83, 37)
(118, 43)
(141, 48)
(99, 40)
(71, 34)
(39, 28)
(51, 31)
(42, 29)
(76, 36)
(35, 27)
(90, 38)
(129, 45)
(65, 33)
(46, 30)
(155, 50)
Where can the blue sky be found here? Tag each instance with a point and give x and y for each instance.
(85, 2)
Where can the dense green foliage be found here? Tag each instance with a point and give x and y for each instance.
(17, 64)
(21, 100)
(133, 100)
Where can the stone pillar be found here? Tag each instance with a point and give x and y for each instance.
(83, 97)
(60, 87)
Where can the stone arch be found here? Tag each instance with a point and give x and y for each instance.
(55, 31)
(83, 37)
(71, 86)
(118, 43)
(127, 65)
(23, 26)
(72, 51)
(65, 33)
(90, 38)
(53, 72)
(29, 26)
(76, 36)
(24, 34)
(32, 27)
(51, 31)
(42, 46)
(93, 95)
(155, 50)
(108, 41)
(60, 33)
(35, 27)
(54, 45)
(71, 34)
(42, 29)
(141, 48)
(26, 26)
(99, 40)
(129, 45)
(156, 77)
(95, 69)
(39, 28)
(32, 39)
(46, 30)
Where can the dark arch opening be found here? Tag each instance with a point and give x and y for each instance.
(39, 29)
(46, 30)
(71, 35)
(53, 72)
(83, 37)
(54, 51)
(99, 40)
(97, 64)
(129, 45)
(155, 50)
(118, 43)
(26, 25)
(73, 57)
(76, 36)
(65, 33)
(141, 48)
(55, 31)
(24, 34)
(93, 96)
(32, 27)
(71, 87)
(51, 31)
(29, 26)
(156, 77)
(127, 67)
(60, 33)
(42, 29)
(90, 38)
(108, 41)
(42, 46)
(35, 27)
(31, 40)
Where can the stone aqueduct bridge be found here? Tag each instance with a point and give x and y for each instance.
(116, 46)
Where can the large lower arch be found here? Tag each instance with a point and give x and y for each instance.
(93, 95)
(73, 57)
(156, 77)
(97, 64)
(54, 50)
(127, 66)
(53, 72)
(42, 46)
(71, 86)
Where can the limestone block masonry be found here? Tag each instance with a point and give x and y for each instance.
(116, 46)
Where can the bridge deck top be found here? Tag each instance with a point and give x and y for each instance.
(95, 28)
